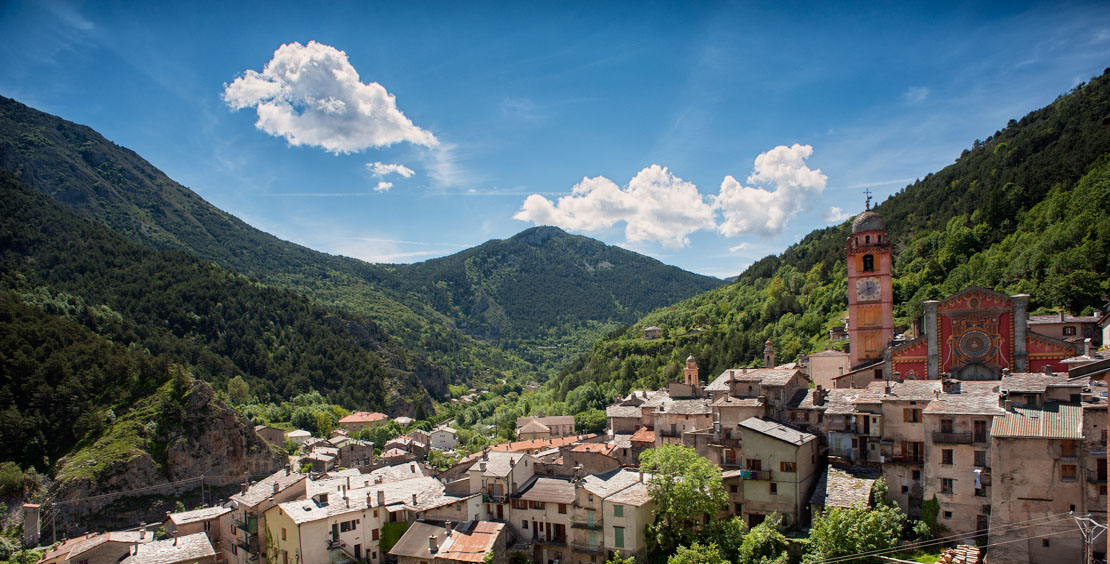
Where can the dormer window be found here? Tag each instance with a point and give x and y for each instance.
(868, 263)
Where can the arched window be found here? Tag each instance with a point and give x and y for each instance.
(867, 239)
(868, 263)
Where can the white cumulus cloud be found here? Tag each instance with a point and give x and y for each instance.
(655, 206)
(835, 215)
(383, 186)
(381, 170)
(766, 212)
(311, 95)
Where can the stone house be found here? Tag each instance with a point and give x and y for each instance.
(958, 454)
(205, 521)
(540, 427)
(498, 475)
(676, 417)
(623, 419)
(248, 514)
(588, 517)
(780, 465)
(653, 332)
(360, 420)
(1066, 327)
(469, 542)
(272, 435)
(902, 450)
(191, 549)
(542, 513)
(823, 367)
(98, 548)
(443, 438)
(625, 514)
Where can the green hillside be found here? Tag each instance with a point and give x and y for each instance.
(1025, 210)
(546, 294)
(217, 323)
(472, 313)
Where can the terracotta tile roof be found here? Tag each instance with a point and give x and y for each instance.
(593, 447)
(363, 417)
(643, 435)
(545, 421)
(58, 552)
(1051, 421)
(470, 541)
(533, 445)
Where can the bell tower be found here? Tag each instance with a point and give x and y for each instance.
(870, 299)
(691, 372)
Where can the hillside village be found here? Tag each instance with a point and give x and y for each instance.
(989, 422)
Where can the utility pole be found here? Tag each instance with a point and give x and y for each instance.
(1091, 530)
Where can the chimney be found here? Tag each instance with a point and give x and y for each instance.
(243, 488)
(412, 467)
(414, 499)
(381, 497)
(482, 466)
(1061, 316)
(276, 488)
(432, 544)
(142, 531)
(175, 541)
(1087, 348)
(641, 478)
(287, 470)
(1005, 372)
(819, 394)
(1008, 405)
(450, 527)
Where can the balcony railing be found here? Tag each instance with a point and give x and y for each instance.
(903, 459)
(595, 548)
(557, 541)
(1094, 478)
(951, 438)
(585, 523)
(250, 526)
(669, 434)
(250, 545)
(756, 474)
(494, 498)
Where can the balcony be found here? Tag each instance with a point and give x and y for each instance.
(584, 523)
(250, 545)
(595, 548)
(554, 541)
(903, 459)
(495, 498)
(725, 441)
(249, 526)
(756, 474)
(942, 438)
(669, 434)
(1094, 478)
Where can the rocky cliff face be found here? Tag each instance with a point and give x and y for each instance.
(200, 450)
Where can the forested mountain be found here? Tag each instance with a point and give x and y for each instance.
(543, 287)
(451, 309)
(1025, 210)
(215, 323)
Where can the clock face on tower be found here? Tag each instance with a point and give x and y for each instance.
(868, 289)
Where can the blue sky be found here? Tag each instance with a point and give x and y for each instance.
(704, 134)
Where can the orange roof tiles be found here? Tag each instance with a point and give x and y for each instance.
(363, 417)
(643, 435)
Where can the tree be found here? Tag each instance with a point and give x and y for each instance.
(841, 531)
(618, 558)
(685, 488)
(590, 421)
(764, 544)
(697, 553)
(728, 535)
(238, 391)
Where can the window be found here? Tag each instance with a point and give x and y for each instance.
(1069, 330)
(283, 533)
(732, 488)
(905, 489)
(787, 467)
(1046, 543)
(536, 504)
(868, 263)
(1067, 472)
(618, 537)
(519, 504)
(945, 425)
(562, 508)
(980, 431)
(755, 464)
(618, 511)
(774, 489)
(911, 415)
(1067, 448)
(946, 485)
(738, 509)
(946, 456)
(947, 514)
(917, 474)
(375, 534)
(524, 524)
(981, 458)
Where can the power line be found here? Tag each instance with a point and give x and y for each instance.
(1008, 527)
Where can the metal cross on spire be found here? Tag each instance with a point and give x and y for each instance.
(867, 192)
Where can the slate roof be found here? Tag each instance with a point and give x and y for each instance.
(634, 495)
(264, 488)
(659, 399)
(630, 411)
(429, 492)
(763, 376)
(912, 390)
(729, 401)
(124, 537)
(188, 548)
(1055, 318)
(686, 407)
(777, 431)
(968, 402)
(197, 515)
(550, 490)
(844, 487)
(610, 482)
(1053, 420)
(549, 420)
(500, 463)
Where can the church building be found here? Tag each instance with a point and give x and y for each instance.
(975, 334)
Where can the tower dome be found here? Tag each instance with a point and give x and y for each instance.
(869, 220)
